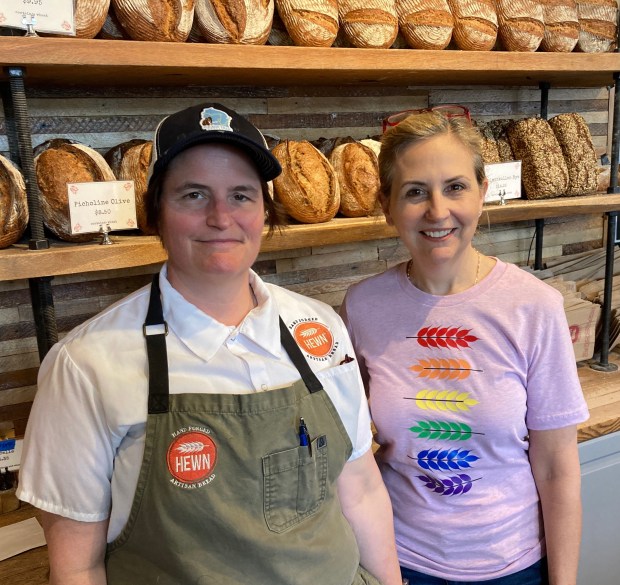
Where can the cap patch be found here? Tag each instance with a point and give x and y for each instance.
(214, 119)
(191, 458)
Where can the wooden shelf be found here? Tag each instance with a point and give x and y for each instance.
(97, 62)
(17, 262)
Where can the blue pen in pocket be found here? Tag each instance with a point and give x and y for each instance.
(304, 437)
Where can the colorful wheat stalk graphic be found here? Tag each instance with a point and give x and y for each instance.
(443, 400)
(443, 369)
(447, 337)
(445, 460)
(450, 486)
(445, 431)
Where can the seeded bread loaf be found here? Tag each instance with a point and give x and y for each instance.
(163, 20)
(597, 25)
(543, 169)
(490, 150)
(575, 140)
(13, 203)
(521, 25)
(307, 188)
(55, 167)
(368, 23)
(357, 170)
(475, 24)
(425, 24)
(245, 22)
(499, 130)
(561, 25)
(310, 23)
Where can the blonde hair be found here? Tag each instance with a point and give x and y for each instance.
(418, 127)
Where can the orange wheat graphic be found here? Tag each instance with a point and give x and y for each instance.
(443, 369)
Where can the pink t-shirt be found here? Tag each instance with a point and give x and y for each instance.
(454, 384)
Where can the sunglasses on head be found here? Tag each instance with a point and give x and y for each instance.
(448, 110)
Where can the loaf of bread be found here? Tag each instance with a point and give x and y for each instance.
(475, 24)
(575, 140)
(114, 156)
(307, 188)
(357, 170)
(278, 35)
(521, 25)
(543, 169)
(597, 25)
(56, 166)
(310, 23)
(134, 166)
(13, 203)
(89, 17)
(368, 23)
(499, 131)
(425, 24)
(245, 22)
(374, 145)
(561, 25)
(163, 20)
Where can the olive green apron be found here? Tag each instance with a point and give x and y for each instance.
(237, 488)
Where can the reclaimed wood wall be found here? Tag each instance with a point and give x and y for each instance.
(103, 118)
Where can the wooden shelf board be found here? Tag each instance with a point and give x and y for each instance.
(17, 262)
(96, 62)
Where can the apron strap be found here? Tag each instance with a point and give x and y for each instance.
(155, 330)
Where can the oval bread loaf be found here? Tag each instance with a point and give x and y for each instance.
(307, 188)
(475, 24)
(246, 22)
(134, 166)
(368, 23)
(521, 25)
(597, 25)
(357, 170)
(163, 20)
(13, 203)
(310, 23)
(57, 166)
(561, 25)
(114, 156)
(425, 24)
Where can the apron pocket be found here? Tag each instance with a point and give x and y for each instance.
(294, 483)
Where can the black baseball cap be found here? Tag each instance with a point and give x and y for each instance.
(210, 122)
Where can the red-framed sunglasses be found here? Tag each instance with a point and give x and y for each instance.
(448, 110)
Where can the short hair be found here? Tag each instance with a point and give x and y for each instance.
(422, 126)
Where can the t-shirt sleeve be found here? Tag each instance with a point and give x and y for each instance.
(554, 395)
(68, 454)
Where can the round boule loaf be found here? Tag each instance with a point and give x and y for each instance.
(475, 24)
(310, 23)
(54, 168)
(425, 24)
(246, 22)
(369, 23)
(307, 188)
(114, 156)
(357, 170)
(561, 25)
(597, 25)
(13, 203)
(163, 20)
(521, 25)
(134, 167)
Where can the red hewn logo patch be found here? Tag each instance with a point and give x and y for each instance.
(192, 456)
(314, 338)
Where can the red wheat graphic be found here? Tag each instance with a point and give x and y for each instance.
(445, 337)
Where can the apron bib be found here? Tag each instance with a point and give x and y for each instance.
(237, 488)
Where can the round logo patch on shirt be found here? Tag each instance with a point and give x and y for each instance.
(314, 338)
(191, 458)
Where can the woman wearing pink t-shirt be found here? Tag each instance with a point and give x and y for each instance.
(471, 378)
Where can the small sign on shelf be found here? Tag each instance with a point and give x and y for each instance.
(49, 16)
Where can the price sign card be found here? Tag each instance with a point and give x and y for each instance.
(102, 204)
(10, 453)
(50, 16)
(504, 181)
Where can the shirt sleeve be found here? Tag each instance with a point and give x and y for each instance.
(67, 459)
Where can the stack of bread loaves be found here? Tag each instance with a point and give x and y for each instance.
(13, 203)
(57, 163)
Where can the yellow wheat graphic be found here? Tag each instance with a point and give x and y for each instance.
(443, 369)
(444, 400)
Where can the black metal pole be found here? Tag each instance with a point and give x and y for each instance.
(40, 288)
(538, 250)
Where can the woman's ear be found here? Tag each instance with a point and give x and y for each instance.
(483, 193)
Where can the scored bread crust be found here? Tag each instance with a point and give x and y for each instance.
(55, 167)
(13, 203)
(134, 167)
(475, 24)
(155, 20)
(425, 24)
(357, 170)
(597, 25)
(369, 23)
(246, 22)
(561, 26)
(521, 25)
(307, 188)
(310, 23)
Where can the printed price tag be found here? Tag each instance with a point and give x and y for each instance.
(50, 16)
(10, 453)
(102, 204)
(504, 181)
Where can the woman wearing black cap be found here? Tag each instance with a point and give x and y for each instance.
(210, 427)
